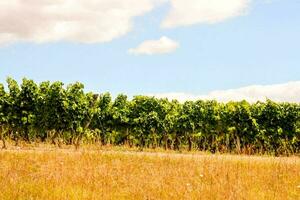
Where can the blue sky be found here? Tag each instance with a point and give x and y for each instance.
(258, 47)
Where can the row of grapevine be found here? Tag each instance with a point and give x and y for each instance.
(69, 115)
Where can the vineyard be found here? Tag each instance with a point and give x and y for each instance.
(51, 112)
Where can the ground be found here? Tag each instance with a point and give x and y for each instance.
(120, 173)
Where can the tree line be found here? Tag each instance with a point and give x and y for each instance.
(50, 111)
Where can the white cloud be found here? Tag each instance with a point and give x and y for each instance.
(189, 12)
(287, 92)
(162, 46)
(95, 21)
(86, 21)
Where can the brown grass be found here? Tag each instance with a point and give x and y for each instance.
(96, 174)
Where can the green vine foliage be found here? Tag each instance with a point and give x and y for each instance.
(70, 115)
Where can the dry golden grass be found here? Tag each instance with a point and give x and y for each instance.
(59, 174)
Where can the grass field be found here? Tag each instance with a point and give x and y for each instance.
(48, 173)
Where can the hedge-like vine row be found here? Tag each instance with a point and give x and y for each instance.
(52, 112)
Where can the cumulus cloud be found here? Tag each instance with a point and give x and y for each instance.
(85, 21)
(189, 12)
(162, 46)
(95, 21)
(287, 92)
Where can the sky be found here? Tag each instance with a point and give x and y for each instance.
(182, 49)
